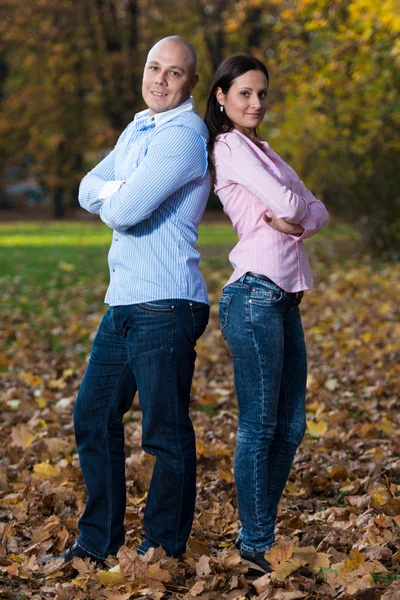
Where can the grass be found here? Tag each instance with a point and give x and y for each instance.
(41, 257)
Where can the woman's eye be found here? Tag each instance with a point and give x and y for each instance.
(246, 94)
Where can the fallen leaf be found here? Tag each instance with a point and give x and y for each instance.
(22, 437)
(203, 566)
(317, 429)
(45, 470)
(111, 578)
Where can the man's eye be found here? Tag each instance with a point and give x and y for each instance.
(175, 73)
(152, 68)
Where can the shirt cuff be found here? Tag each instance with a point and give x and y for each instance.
(109, 189)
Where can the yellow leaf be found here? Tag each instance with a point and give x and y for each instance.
(317, 429)
(356, 559)
(45, 470)
(30, 379)
(387, 427)
(366, 337)
(111, 578)
(56, 384)
(41, 402)
(380, 498)
(22, 437)
(337, 472)
(67, 267)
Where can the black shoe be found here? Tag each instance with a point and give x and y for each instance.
(258, 565)
(70, 553)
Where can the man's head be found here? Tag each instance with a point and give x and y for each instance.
(169, 74)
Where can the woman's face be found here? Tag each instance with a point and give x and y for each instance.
(245, 102)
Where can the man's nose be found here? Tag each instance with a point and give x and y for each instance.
(161, 78)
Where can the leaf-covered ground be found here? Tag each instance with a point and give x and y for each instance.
(339, 524)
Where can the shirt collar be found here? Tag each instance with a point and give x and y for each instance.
(143, 119)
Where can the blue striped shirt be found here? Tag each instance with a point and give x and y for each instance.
(159, 166)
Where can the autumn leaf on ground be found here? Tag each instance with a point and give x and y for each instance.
(22, 437)
(156, 572)
(356, 559)
(203, 566)
(316, 429)
(198, 588)
(131, 564)
(280, 553)
(45, 470)
(111, 578)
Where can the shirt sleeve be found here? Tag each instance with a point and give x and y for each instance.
(236, 162)
(176, 155)
(317, 217)
(93, 183)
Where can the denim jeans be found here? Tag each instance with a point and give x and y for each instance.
(147, 348)
(262, 325)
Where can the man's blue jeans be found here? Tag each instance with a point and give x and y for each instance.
(262, 326)
(147, 348)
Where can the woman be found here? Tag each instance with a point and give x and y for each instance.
(272, 212)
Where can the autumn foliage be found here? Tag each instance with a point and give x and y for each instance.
(338, 530)
(70, 79)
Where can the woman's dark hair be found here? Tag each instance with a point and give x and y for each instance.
(216, 120)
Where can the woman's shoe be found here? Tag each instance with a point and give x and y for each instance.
(74, 551)
(258, 565)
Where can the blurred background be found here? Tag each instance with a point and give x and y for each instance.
(70, 81)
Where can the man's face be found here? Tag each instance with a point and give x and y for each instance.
(168, 77)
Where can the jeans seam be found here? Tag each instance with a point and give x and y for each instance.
(257, 478)
(109, 469)
(81, 545)
(173, 437)
(273, 479)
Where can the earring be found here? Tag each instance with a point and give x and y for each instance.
(221, 108)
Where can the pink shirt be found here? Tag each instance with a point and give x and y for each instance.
(251, 180)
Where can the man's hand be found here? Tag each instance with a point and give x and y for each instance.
(282, 226)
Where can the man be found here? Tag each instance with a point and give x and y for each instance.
(151, 190)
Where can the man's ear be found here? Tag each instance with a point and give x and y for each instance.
(194, 82)
(219, 94)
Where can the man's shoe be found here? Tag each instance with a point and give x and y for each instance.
(258, 565)
(70, 553)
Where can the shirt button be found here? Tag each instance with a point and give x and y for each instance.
(116, 239)
(113, 270)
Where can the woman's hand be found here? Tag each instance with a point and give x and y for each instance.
(282, 226)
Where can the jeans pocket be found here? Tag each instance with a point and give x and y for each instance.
(265, 297)
(224, 310)
(157, 306)
(200, 315)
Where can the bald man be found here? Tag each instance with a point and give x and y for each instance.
(151, 190)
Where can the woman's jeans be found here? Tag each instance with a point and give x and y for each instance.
(262, 325)
(147, 348)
